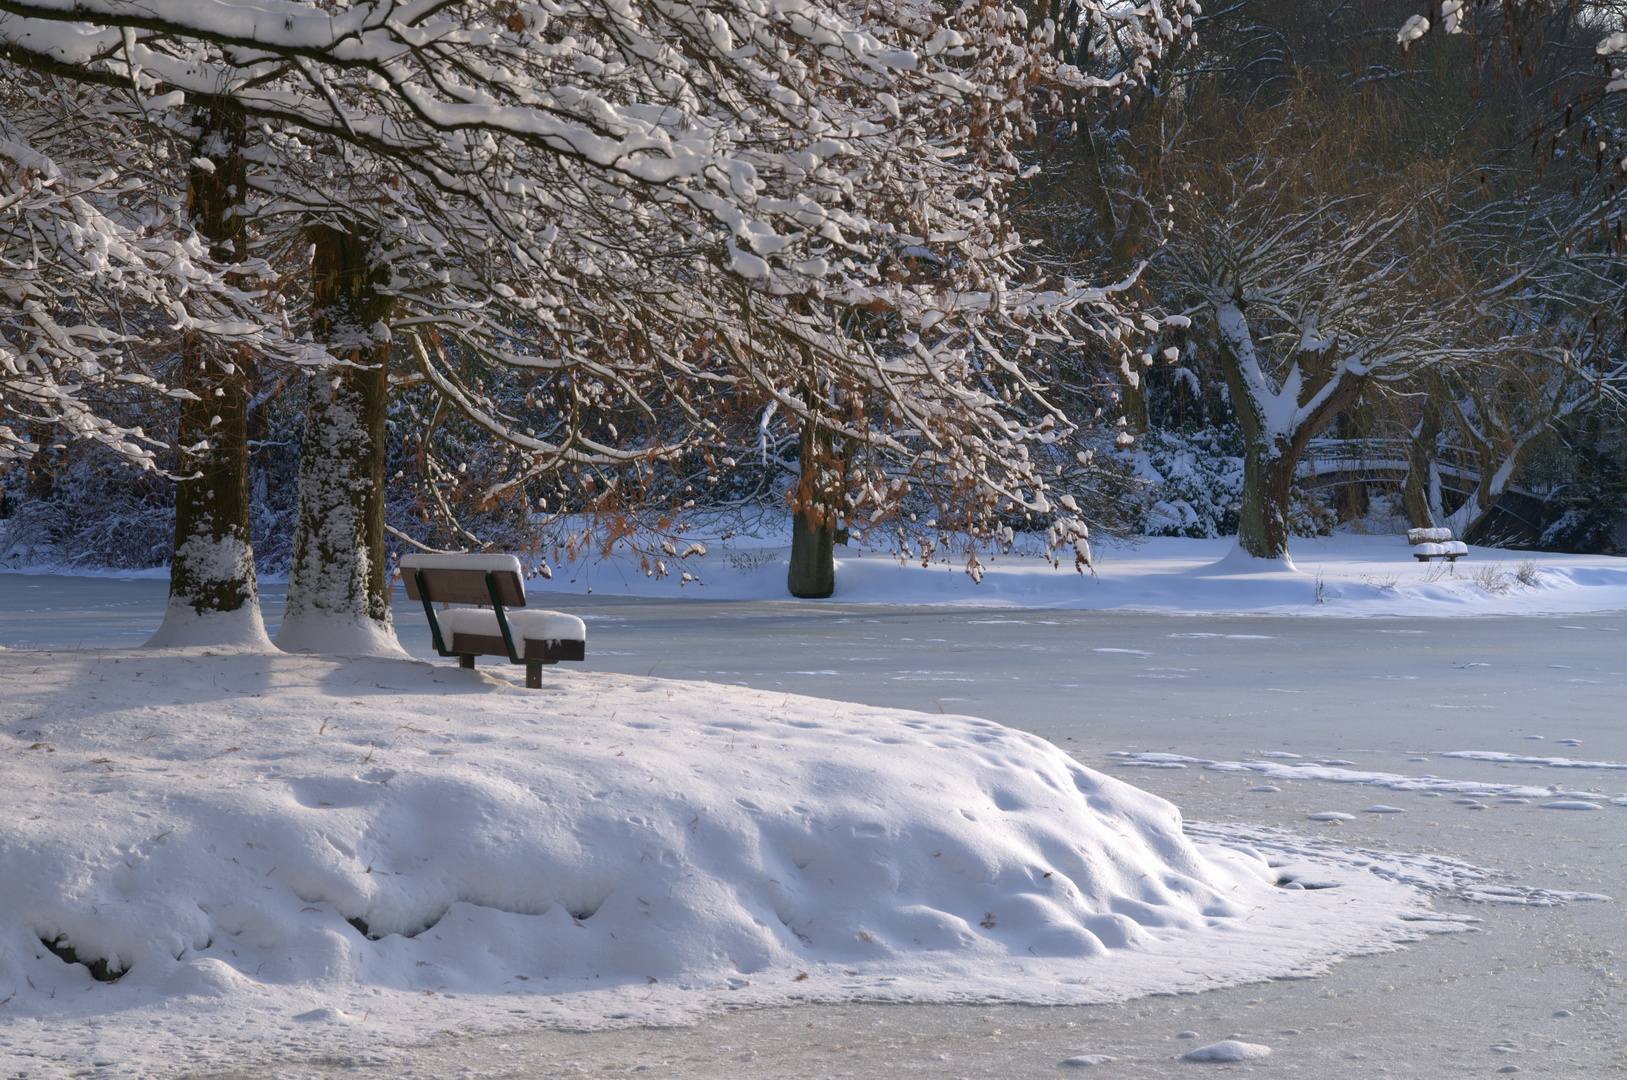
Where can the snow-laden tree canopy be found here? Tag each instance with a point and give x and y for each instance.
(93, 270)
(699, 193)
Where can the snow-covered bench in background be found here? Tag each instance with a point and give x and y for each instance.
(532, 638)
(1435, 544)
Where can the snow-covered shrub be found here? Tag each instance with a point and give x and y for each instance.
(1196, 481)
(1581, 529)
(94, 511)
(1311, 511)
(1195, 486)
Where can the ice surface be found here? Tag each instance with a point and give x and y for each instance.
(1517, 759)
(1395, 781)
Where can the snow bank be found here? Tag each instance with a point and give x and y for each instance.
(304, 853)
(338, 633)
(244, 628)
(1345, 575)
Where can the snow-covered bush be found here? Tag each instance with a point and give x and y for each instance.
(91, 511)
(1195, 478)
(1195, 485)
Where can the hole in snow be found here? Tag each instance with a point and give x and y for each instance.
(585, 912)
(99, 968)
(1296, 884)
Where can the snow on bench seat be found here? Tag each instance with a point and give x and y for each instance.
(1449, 551)
(1429, 536)
(533, 624)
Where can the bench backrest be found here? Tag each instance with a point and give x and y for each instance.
(461, 579)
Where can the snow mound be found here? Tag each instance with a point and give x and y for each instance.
(318, 851)
(1229, 1050)
(183, 627)
(340, 635)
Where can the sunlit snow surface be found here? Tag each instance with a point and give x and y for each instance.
(610, 849)
(1343, 575)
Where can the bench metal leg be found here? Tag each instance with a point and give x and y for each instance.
(533, 674)
(466, 660)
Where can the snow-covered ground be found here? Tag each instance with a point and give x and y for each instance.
(311, 853)
(1343, 575)
(1347, 574)
(511, 821)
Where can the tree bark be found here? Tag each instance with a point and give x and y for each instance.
(812, 575)
(1268, 480)
(1420, 494)
(338, 591)
(1351, 501)
(1270, 457)
(212, 568)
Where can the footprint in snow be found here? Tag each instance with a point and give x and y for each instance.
(1332, 815)
(1380, 808)
(1084, 1060)
(1265, 787)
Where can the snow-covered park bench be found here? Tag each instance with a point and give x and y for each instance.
(532, 638)
(1435, 544)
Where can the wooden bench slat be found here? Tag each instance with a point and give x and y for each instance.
(464, 586)
(549, 652)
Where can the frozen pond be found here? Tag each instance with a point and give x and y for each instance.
(1380, 706)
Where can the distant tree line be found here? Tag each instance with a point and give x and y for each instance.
(553, 279)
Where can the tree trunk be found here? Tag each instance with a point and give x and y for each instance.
(1351, 501)
(1271, 453)
(213, 595)
(1420, 491)
(1268, 482)
(338, 592)
(812, 575)
(1133, 398)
